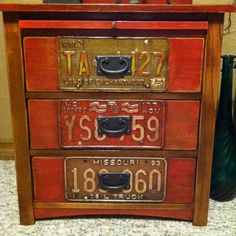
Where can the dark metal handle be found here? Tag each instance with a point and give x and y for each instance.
(114, 181)
(114, 126)
(106, 123)
(105, 61)
(113, 66)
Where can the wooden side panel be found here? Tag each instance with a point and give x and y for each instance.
(53, 213)
(19, 117)
(185, 64)
(181, 130)
(49, 179)
(209, 107)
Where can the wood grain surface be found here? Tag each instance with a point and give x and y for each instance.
(19, 117)
(114, 153)
(7, 151)
(140, 8)
(106, 25)
(114, 95)
(209, 107)
(45, 213)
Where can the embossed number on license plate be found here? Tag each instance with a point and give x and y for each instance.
(147, 179)
(79, 123)
(113, 64)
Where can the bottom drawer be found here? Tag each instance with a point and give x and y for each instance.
(76, 186)
(83, 179)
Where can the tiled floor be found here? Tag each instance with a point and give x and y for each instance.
(222, 219)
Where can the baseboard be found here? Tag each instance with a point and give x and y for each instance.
(7, 151)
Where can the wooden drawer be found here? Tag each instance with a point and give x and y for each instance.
(170, 125)
(177, 183)
(159, 65)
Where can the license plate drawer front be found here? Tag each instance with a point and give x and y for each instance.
(83, 123)
(49, 130)
(49, 61)
(49, 178)
(147, 179)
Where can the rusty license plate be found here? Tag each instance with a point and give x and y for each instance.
(111, 124)
(113, 64)
(115, 179)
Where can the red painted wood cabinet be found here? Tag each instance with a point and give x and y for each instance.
(114, 108)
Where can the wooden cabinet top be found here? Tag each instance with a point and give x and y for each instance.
(155, 8)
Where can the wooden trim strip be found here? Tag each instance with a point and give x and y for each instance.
(140, 8)
(208, 117)
(162, 25)
(7, 151)
(113, 33)
(63, 24)
(68, 205)
(95, 25)
(19, 117)
(115, 95)
(114, 153)
(45, 213)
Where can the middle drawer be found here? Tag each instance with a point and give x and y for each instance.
(114, 124)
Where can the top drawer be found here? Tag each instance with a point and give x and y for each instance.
(113, 64)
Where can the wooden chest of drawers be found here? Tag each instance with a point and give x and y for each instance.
(114, 113)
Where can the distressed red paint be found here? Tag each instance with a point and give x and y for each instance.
(180, 130)
(48, 175)
(184, 64)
